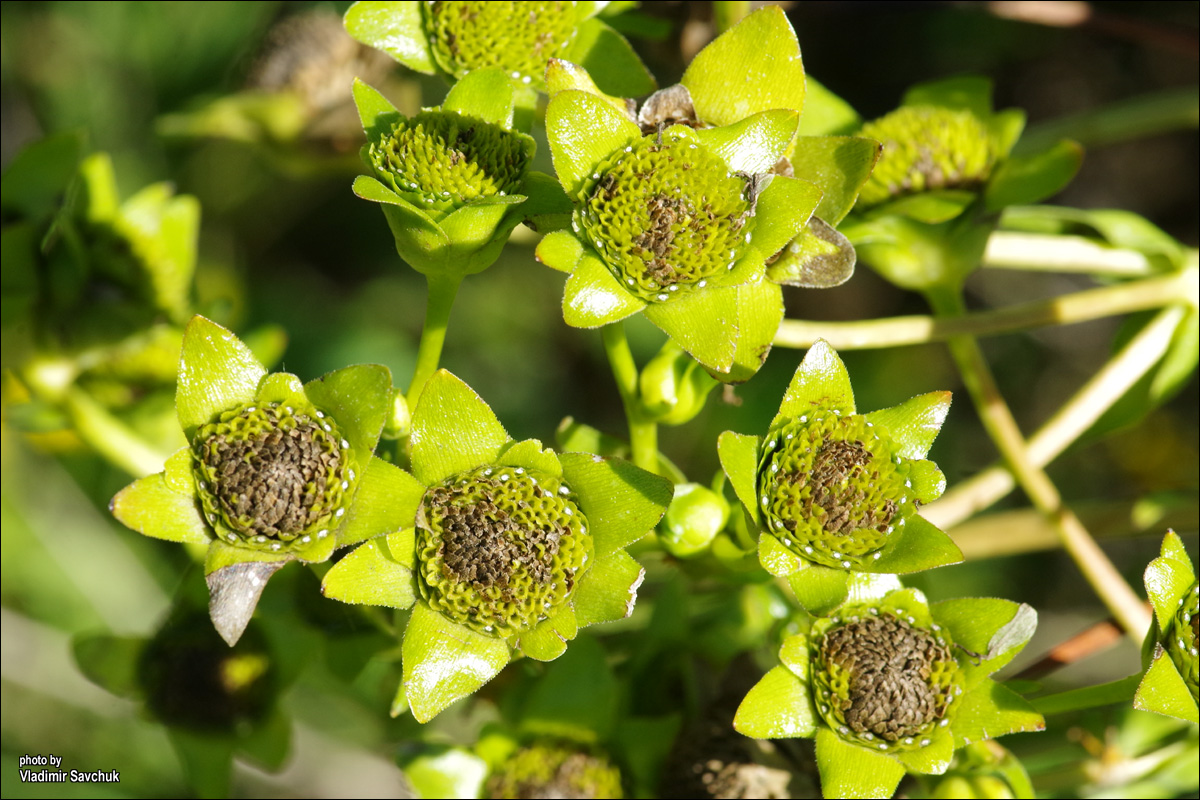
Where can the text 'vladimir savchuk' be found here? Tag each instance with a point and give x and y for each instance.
(56, 775)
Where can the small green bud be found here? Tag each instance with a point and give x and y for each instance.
(881, 681)
(273, 478)
(833, 490)
(666, 215)
(926, 148)
(499, 548)
(954, 787)
(519, 38)
(399, 423)
(443, 160)
(673, 386)
(554, 770)
(695, 516)
(1182, 637)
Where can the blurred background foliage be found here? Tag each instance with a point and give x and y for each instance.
(284, 247)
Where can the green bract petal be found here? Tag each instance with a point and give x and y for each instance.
(971, 93)
(486, 94)
(1168, 579)
(560, 250)
(991, 710)
(933, 759)
(216, 372)
(776, 559)
(702, 323)
(393, 26)
(848, 770)
(530, 454)
(584, 130)
(739, 458)
(608, 590)
(593, 297)
(622, 502)
(445, 661)
(784, 208)
(375, 111)
(610, 59)
(778, 707)
(1025, 180)
(755, 144)
(1163, 690)
(826, 114)
(359, 398)
(370, 575)
(915, 423)
(152, 508)
(759, 312)
(386, 501)
(753, 67)
(449, 411)
(821, 381)
(994, 630)
(819, 589)
(917, 546)
(819, 257)
(840, 165)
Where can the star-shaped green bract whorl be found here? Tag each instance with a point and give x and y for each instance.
(1169, 685)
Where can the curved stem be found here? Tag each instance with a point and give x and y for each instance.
(1047, 252)
(1071, 421)
(1076, 307)
(1003, 430)
(442, 290)
(643, 433)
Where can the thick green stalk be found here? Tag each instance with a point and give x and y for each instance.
(442, 290)
(998, 420)
(643, 433)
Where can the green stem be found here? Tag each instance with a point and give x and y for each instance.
(1093, 399)
(1082, 306)
(727, 13)
(110, 437)
(1105, 694)
(442, 290)
(1047, 252)
(643, 433)
(1148, 115)
(997, 419)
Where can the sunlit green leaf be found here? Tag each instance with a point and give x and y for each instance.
(386, 501)
(704, 323)
(610, 60)
(394, 27)
(607, 591)
(621, 502)
(820, 382)
(755, 144)
(370, 575)
(839, 166)
(915, 423)
(216, 373)
(483, 93)
(444, 661)
(1029, 179)
(848, 770)
(583, 131)
(451, 411)
(151, 508)
(777, 707)
(593, 297)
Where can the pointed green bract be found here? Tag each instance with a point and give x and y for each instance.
(375, 111)
(973, 623)
(444, 661)
(778, 707)
(702, 323)
(394, 27)
(484, 93)
(753, 67)
(848, 770)
(621, 501)
(370, 575)
(1163, 691)
(450, 411)
(933, 759)
(610, 59)
(991, 710)
(1024, 180)
(583, 130)
(783, 209)
(918, 545)
(560, 250)
(838, 164)
(358, 398)
(754, 144)
(915, 423)
(821, 381)
(608, 590)
(593, 297)
(530, 453)
(759, 312)
(216, 372)
(387, 500)
(151, 508)
(739, 459)
(819, 589)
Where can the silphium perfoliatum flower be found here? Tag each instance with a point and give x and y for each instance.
(274, 470)
(889, 684)
(946, 171)
(504, 546)
(451, 180)
(1169, 685)
(455, 38)
(833, 492)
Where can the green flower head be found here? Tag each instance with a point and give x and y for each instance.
(273, 471)
(945, 172)
(454, 39)
(450, 180)
(1169, 685)
(832, 491)
(552, 769)
(889, 684)
(502, 546)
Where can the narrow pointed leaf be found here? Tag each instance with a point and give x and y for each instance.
(608, 590)
(394, 27)
(621, 502)
(820, 589)
(918, 545)
(777, 707)
(453, 430)
(783, 209)
(386, 501)
(583, 131)
(704, 324)
(848, 770)
(593, 297)
(821, 381)
(371, 576)
(839, 165)
(154, 509)
(445, 661)
(739, 459)
(483, 93)
(992, 710)
(1024, 180)
(217, 372)
(755, 144)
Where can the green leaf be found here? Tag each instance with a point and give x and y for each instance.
(820, 257)
(932, 759)
(1005, 128)
(283, 388)
(152, 508)
(848, 770)
(583, 131)
(217, 372)
(794, 655)
(753, 145)
(826, 114)
(359, 398)
(547, 207)
(445, 661)
(453, 430)
(393, 26)
(783, 209)
(777, 707)
(915, 423)
(560, 250)
(967, 92)
(207, 760)
(403, 547)
(930, 207)
(777, 559)
(530, 454)
(36, 179)
(1168, 579)
(544, 642)
(386, 501)
(838, 166)
(621, 502)
(991, 710)
(865, 587)
(704, 323)
(371, 576)
(820, 383)
(483, 93)
(1163, 690)
(610, 60)
(739, 458)
(755, 66)
(1029, 179)
(608, 590)
(760, 310)
(593, 297)
(973, 623)
(1105, 694)
(927, 481)
(376, 112)
(110, 662)
(820, 589)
